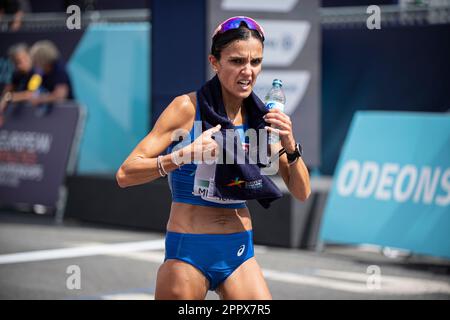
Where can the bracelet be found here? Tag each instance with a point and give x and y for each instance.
(158, 165)
(162, 167)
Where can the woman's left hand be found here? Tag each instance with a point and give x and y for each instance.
(283, 125)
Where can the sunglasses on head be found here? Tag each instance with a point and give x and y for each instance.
(235, 23)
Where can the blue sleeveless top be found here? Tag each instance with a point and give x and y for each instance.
(181, 180)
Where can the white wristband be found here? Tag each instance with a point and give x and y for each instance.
(159, 166)
(162, 167)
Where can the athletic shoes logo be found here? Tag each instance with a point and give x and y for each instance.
(241, 250)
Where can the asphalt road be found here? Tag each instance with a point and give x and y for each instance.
(41, 260)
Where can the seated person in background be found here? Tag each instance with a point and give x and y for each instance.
(24, 80)
(56, 85)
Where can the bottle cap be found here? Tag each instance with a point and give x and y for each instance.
(277, 82)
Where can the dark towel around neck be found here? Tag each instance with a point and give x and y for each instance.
(250, 183)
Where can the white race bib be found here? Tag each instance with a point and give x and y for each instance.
(204, 185)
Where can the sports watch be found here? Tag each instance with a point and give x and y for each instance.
(296, 154)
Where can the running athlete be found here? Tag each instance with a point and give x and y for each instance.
(209, 245)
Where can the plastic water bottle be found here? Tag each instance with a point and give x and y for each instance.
(275, 98)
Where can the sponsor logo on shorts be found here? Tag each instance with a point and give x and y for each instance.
(241, 250)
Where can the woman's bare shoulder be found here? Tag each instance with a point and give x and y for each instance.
(185, 102)
(180, 112)
(184, 106)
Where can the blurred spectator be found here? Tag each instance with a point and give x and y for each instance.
(56, 85)
(16, 8)
(40, 78)
(24, 80)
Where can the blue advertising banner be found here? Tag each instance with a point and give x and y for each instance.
(35, 151)
(392, 184)
(110, 74)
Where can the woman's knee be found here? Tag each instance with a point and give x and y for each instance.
(170, 292)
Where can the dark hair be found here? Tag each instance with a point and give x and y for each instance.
(221, 40)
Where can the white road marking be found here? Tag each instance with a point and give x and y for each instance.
(331, 279)
(85, 251)
(156, 257)
(128, 296)
(152, 251)
(357, 282)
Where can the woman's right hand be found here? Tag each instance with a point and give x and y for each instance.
(204, 148)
